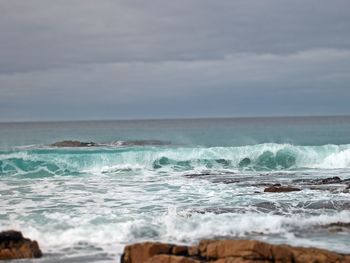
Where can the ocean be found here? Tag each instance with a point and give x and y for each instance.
(175, 181)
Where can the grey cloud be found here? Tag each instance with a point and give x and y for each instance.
(38, 34)
(143, 59)
(244, 84)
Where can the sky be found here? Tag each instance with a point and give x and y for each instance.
(137, 59)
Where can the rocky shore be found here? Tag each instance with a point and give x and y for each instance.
(14, 246)
(227, 251)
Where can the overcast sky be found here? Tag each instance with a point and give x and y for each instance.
(111, 59)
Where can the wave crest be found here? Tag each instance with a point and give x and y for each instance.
(47, 162)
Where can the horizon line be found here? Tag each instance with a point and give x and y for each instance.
(177, 118)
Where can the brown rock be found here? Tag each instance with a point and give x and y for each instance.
(14, 246)
(246, 249)
(228, 251)
(193, 251)
(257, 251)
(179, 250)
(281, 189)
(171, 259)
(239, 260)
(141, 252)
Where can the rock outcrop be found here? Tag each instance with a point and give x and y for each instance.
(227, 251)
(14, 246)
(281, 189)
(69, 143)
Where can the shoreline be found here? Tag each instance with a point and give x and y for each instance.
(14, 246)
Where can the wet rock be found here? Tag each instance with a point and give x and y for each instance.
(179, 250)
(14, 246)
(171, 259)
(331, 180)
(338, 227)
(197, 175)
(223, 178)
(69, 143)
(141, 252)
(281, 189)
(228, 251)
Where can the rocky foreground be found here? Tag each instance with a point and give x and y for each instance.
(14, 246)
(227, 251)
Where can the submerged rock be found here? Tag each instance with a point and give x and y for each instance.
(331, 180)
(14, 246)
(338, 227)
(281, 189)
(69, 143)
(227, 251)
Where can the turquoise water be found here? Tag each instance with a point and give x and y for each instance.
(173, 181)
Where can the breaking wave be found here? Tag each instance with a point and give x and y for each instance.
(46, 162)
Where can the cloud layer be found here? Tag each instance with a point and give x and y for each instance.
(85, 59)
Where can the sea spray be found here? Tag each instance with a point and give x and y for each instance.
(49, 162)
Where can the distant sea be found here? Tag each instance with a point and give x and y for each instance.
(175, 181)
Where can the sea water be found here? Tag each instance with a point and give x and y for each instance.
(173, 181)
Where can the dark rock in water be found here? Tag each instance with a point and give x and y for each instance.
(227, 251)
(331, 180)
(14, 246)
(338, 227)
(281, 189)
(265, 184)
(332, 184)
(303, 181)
(197, 175)
(340, 224)
(244, 162)
(73, 144)
(10, 235)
